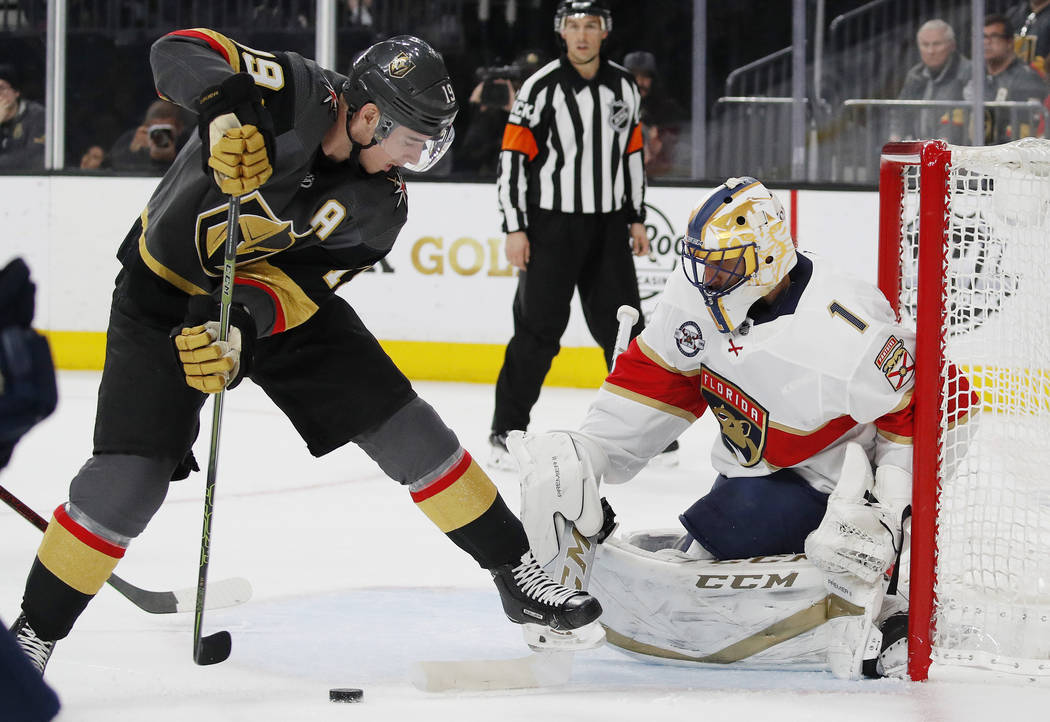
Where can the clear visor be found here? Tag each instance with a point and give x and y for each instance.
(718, 271)
(415, 151)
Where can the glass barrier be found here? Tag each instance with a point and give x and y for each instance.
(859, 56)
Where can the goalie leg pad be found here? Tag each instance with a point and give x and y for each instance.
(763, 612)
(745, 517)
(558, 477)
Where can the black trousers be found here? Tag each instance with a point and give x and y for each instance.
(590, 252)
(329, 376)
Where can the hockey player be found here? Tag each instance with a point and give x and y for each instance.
(314, 157)
(810, 378)
(27, 395)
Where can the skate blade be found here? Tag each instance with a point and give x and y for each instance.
(545, 639)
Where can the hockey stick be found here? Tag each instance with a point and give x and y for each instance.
(216, 647)
(572, 567)
(226, 593)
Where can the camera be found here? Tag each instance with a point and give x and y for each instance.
(162, 135)
(493, 93)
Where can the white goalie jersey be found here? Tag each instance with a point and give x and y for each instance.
(826, 365)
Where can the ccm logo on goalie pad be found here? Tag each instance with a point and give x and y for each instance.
(745, 581)
(895, 362)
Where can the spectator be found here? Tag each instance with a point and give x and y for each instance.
(151, 146)
(1007, 78)
(1033, 17)
(22, 125)
(663, 119)
(942, 74)
(359, 12)
(94, 158)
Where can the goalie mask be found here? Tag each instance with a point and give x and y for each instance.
(737, 248)
(408, 82)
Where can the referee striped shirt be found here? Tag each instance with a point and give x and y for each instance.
(573, 145)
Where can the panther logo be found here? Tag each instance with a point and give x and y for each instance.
(736, 434)
(742, 420)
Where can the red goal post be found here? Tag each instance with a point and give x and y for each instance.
(964, 236)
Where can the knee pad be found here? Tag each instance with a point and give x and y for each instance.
(120, 493)
(412, 445)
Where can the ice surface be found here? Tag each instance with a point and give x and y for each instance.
(352, 584)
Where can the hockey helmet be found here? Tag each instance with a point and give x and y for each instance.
(408, 82)
(737, 248)
(573, 8)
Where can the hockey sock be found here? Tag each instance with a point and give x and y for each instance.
(71, 565)
(467, 507)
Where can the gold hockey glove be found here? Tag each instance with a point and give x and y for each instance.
(237, 136)
(211, 365)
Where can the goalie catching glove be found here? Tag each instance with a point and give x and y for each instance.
(211, 365)
(857, 537)
(237, 137)
(559, 475)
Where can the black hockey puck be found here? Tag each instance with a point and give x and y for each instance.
(345, 694)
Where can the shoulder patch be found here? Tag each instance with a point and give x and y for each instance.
(895, 362)
(400, 191)
(689, 339)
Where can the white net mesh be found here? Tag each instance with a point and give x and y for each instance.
(993, 518)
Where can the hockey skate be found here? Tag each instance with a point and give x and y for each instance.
(553, 616)
(38, 651)
(892, 659)
(501, 458)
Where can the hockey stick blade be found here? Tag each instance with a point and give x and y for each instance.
(224, 593)
(540, 669)
(213, 649)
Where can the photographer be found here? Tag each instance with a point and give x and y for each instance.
(151, 146)
(490, 104)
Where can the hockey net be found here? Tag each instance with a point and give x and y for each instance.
(964, 241)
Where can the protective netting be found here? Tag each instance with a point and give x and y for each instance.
(993, 519)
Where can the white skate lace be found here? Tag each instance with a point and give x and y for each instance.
(35, 648)
(535, 583)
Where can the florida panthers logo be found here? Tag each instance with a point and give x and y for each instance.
(689, 339)
(400, 66)
(743, 422)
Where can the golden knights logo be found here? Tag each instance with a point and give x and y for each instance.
(743, 422)
(400, 66)
(262, 234)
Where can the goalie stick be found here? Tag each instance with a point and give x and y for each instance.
(225, 593)
(572, 567)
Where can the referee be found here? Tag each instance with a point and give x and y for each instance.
(571, 190)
